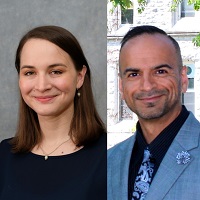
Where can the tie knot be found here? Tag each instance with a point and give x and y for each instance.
(147, 155)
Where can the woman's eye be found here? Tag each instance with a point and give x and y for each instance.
(28, 73)
(56, 72)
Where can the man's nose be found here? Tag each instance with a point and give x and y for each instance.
(148, 82)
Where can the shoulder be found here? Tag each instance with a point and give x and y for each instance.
(102, 138)
(5, 144)
(192, 120)
(124, 146)
(119, 158)
(99, 145)
(5, 148)
(191, 123)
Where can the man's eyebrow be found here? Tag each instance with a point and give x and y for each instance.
(163, 65)
(130, 69)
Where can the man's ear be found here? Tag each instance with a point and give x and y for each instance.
(121, 87)
(184, 79)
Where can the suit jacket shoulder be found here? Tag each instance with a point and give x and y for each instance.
(120, 147)
(117, 169)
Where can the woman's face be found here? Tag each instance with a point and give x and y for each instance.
(48, 79)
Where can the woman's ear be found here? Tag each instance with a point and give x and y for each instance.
(81, 76)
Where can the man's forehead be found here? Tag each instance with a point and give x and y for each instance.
(141, 39)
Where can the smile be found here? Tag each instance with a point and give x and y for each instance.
(45, 99)
(150, 99)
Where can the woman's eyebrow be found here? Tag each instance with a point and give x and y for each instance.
(50, 66)
(57, 64)
(27, 66)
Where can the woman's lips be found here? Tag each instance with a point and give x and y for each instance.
(45, 99)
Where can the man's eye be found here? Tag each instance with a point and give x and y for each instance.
(161, 71)
(133, 74)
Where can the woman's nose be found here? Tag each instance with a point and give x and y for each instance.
(42, 83)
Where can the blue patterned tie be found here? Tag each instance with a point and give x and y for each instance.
(144, 177)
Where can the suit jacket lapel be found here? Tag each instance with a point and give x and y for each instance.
(169, 169)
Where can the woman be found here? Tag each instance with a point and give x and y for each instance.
(59, 150)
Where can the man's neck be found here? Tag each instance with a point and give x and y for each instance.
(153, 127)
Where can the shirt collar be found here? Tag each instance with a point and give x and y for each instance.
(159, 146)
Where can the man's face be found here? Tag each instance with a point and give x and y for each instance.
(150, 79)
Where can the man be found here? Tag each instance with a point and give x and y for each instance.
(162, 159)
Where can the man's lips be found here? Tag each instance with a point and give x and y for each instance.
(150, 98)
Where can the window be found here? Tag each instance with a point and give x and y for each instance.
(189, 96)
(125, 112)
(127, 16)
(190, 74)
(187, 10)
(188, 101)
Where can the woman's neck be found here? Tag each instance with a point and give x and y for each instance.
(55, 136)
(55, 129)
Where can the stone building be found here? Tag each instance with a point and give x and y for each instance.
(182, 24)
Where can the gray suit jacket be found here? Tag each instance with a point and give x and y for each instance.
(172, 181)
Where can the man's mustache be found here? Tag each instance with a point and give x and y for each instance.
(152, 93)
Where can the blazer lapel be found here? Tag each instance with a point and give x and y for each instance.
(169, 169)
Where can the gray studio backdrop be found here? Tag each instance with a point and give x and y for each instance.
(86, 19)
